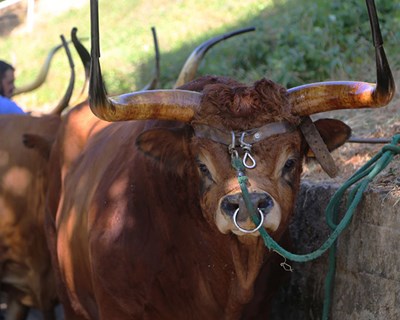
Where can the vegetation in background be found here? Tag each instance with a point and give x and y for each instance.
(296, 42)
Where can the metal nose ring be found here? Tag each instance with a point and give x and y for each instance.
(245, 230)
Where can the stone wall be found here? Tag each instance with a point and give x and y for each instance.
(367, 284)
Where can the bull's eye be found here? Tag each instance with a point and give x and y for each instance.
(204, 170)
(288, 171)
(289, 165)
(206, 180)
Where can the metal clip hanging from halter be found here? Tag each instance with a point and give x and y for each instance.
(248, 160)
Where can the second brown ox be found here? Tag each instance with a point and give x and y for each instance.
(152, 224)
(25, 267)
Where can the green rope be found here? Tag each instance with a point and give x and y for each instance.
(366, 172)
(369, 171)
(272, 244)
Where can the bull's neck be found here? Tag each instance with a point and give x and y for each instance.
(247, 256)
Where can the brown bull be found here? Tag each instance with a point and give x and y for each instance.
(25, 266)
(151, 222)
(79, 125)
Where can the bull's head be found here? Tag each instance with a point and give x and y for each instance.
(258, 124)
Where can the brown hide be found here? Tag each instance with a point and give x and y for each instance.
(77, 127)
(25, 268)
(132, 239)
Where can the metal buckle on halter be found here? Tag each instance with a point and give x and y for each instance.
(248, 161)
(247, 153)
(246, 138)
(232, 147)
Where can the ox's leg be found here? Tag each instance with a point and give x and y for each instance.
(51, 236)
(16, 311)
(271, 278)
(49, 314)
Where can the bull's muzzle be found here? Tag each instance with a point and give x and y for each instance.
(234, 207)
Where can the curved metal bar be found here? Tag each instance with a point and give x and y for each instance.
(179, 105)
(234, 218)
(192, 63)
(68, 94)
(368, 140)
(326, 96)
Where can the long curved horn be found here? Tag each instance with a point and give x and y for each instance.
(84, 55)
(153, 83)
(327, 96)
(192, 63)
(176, 105)
(67, 96)
(42, 74)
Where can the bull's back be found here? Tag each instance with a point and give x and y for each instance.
(122, 232)
(92, 179)
(78, 126)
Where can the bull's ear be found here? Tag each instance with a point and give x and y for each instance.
(169, 147)
(334, 133)
(39, 143)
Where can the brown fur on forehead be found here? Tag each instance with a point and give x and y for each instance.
(239, 107)
(280, 143)
(213, 148)
(199, 83)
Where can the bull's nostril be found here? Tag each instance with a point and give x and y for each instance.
(229, 207)
(265, 204)
(261, 201)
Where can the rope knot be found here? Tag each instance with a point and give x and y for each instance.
(391, 148)
(237, 164)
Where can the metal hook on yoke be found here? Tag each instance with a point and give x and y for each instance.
(248, 161)
(245, 230)
(246, 158)
(232, 147)
(247, 155)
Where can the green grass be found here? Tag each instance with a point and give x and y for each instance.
(296, 42)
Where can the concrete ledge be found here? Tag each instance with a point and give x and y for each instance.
(367, 282)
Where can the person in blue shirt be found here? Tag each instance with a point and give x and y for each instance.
(7, 106)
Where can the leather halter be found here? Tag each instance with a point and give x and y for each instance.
(248, 136)
(318, 146)
(251, 136)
